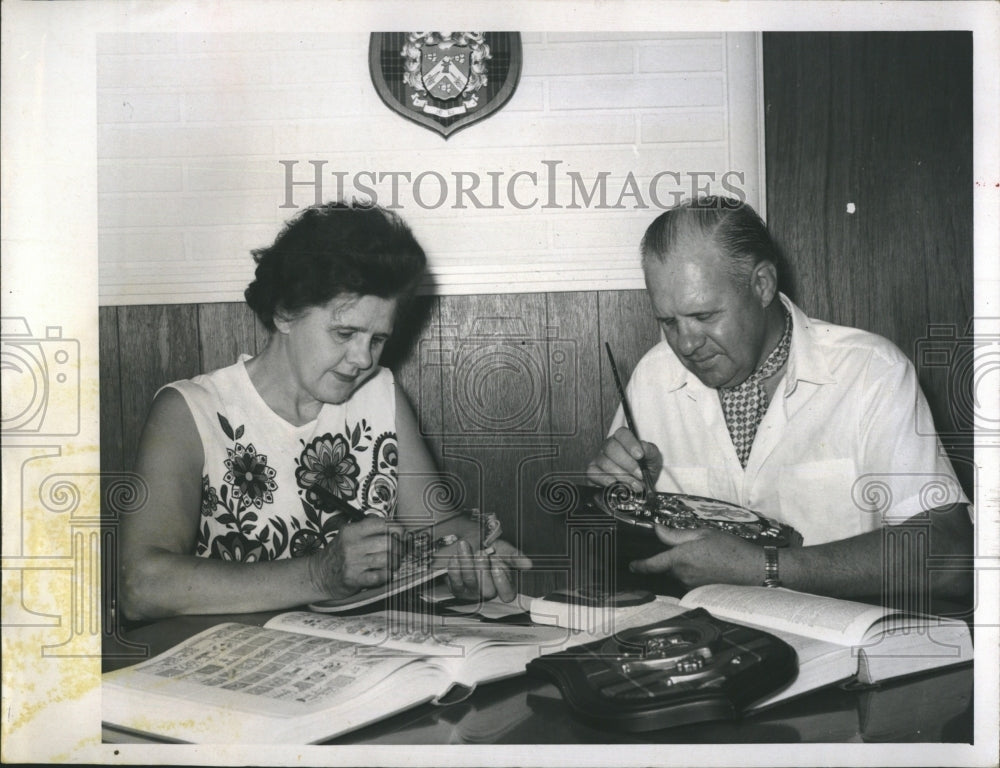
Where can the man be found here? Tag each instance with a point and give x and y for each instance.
(750, 401)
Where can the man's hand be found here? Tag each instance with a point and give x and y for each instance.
(705, 556)
(619, 461)
(361, 557)
(474, 576)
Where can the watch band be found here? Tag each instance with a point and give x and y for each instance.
(771, 577)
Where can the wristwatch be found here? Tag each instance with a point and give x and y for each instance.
(771, 578)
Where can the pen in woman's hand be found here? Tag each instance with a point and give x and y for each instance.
(329, 499)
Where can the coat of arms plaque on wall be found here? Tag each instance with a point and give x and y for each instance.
(445, 80)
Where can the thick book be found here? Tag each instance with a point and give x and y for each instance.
(306, 677)
(887, 713)
(836, 641)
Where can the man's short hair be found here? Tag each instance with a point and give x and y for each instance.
(729, 223)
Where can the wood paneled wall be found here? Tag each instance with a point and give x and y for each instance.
(510, 390)
(882, 121)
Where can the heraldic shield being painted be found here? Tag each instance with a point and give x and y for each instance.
(445, 81)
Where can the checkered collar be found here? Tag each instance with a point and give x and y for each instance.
(805, 362)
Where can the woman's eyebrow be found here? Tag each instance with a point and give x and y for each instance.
(359, 329)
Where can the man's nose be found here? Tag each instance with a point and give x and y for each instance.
(689, 338)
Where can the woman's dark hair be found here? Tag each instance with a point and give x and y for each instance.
(334, 249)
(732, 224)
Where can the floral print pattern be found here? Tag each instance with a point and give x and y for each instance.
(305, 542)
(380, 487)
(209, 498)
(237, 548)
(327, 468)
(249, 476)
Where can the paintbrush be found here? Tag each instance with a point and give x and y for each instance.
(648, 481)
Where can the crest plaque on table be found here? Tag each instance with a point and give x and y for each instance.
(686, 512)
(445, 81)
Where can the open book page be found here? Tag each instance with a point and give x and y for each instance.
(439, 595)
(400, 582)
(425, 555)
(836, 640)
(466, 650)
(236, 682)
(316, 677)
(824, 618)
(821, 663)
(914, 648)
(496, 651)
(425, 634)
(381, 630)
(601, 620)
(921, 629)
(253, 669)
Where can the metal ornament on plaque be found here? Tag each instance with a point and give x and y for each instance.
(445, 81)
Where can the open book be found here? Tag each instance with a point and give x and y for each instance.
(425, 554)
(305, 677)
(835, 640)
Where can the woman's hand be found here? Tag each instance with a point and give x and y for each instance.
(361, 557)
(479, 576)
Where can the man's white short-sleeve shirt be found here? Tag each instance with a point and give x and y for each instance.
(845, 444)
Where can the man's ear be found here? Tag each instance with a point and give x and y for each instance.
(764, 282)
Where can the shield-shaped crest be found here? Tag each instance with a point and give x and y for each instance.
(445, 80)
(444, 69)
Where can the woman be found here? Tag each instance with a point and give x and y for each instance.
(248, 467)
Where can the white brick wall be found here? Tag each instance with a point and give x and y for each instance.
(191, 129)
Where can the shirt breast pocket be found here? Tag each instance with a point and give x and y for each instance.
(816, 499)
(690, 480)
